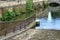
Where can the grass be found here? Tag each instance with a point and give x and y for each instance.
(23, 16)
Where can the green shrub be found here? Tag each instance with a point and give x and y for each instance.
(29, 6)
(8, 16)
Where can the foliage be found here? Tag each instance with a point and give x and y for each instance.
(8, 16)
(37, 7)
(16, 11)
(20, 13)
(29, 6)
(45, 5)
(22, 8)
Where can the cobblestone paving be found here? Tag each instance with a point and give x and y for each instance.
(34, 34)
(45, 35)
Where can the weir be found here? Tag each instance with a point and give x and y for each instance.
(49, 23)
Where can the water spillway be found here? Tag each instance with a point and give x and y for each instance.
(49, 19)
(49, 23)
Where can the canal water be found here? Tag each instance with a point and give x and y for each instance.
(49, 23)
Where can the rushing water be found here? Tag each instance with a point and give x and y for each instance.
(49, 19)
(49, 23)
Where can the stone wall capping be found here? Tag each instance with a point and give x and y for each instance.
(4, 4)
(9, 4)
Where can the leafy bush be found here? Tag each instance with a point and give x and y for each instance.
(12, 15)
(29, 6)
(8, 16)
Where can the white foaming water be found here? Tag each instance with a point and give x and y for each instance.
(49, 17)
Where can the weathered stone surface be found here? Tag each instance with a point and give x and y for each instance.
(45, 35)
(34, 34)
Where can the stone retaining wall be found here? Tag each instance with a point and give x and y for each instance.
(8, 27)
